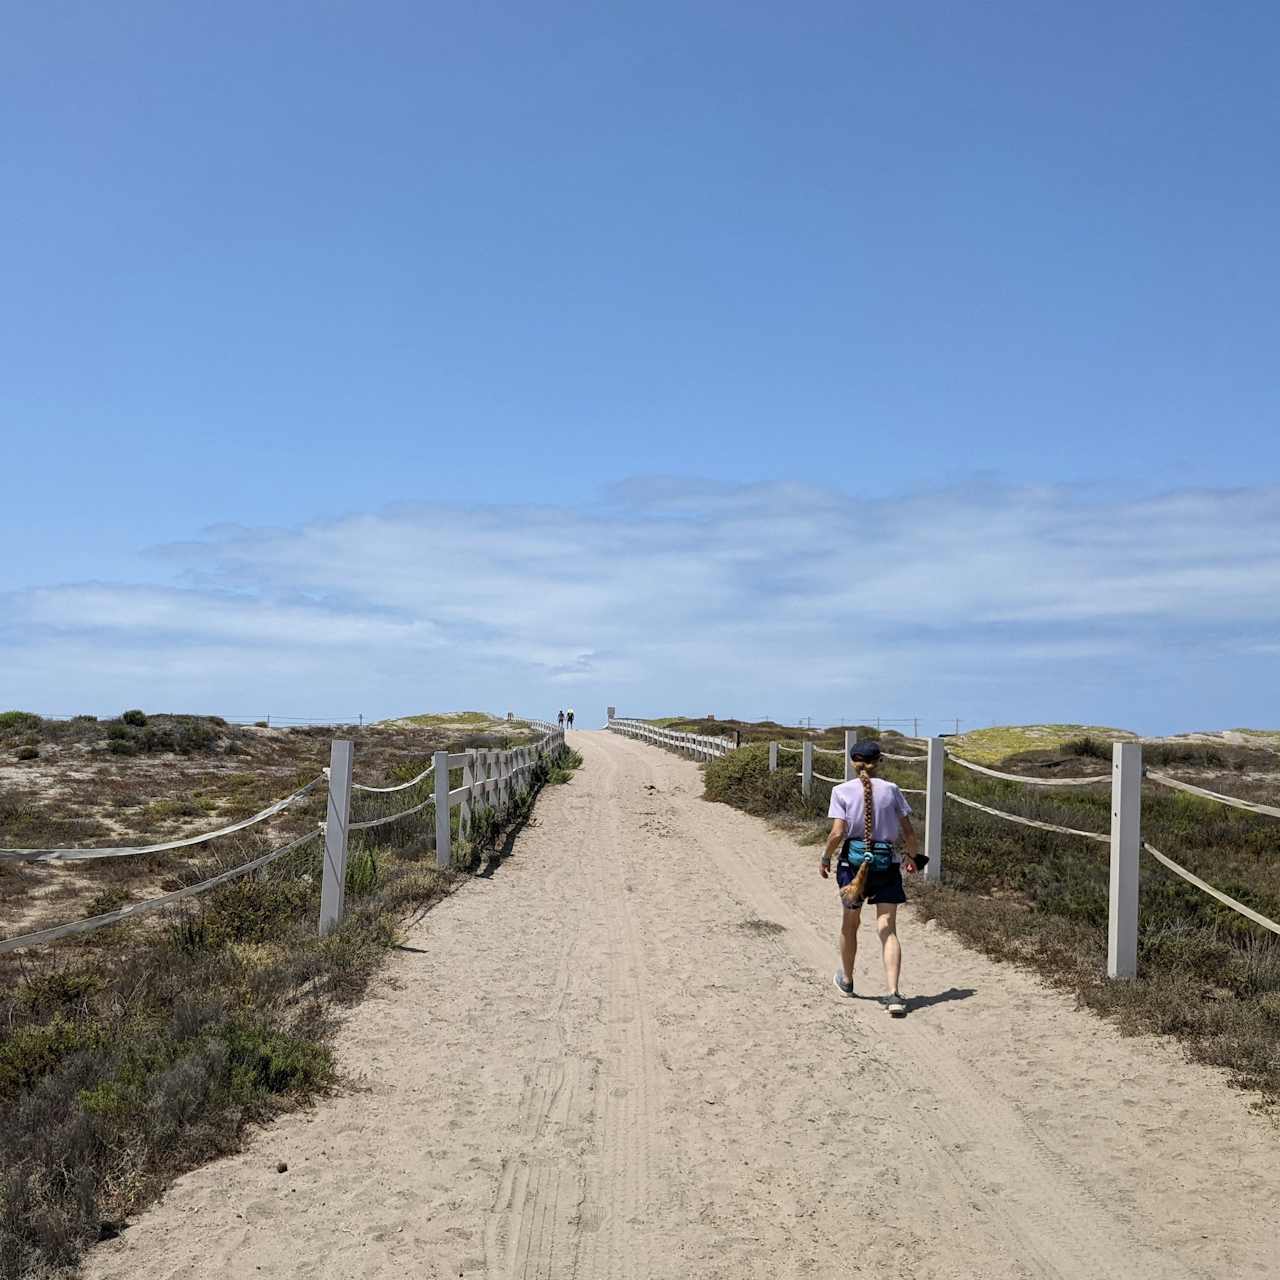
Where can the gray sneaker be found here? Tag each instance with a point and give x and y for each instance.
(845, 987)
(896, 1005)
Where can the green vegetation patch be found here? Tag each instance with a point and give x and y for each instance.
(18, 722)
(989, 746)
(449, 719)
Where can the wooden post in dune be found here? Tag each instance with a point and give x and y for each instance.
(441, 761)
(773, 757)
(935, 787)
(333, 885)
(806, 767)
(850, 737)
(1126, 845)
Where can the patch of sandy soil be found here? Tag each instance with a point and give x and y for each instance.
(622, 1055)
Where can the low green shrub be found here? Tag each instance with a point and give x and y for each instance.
(742, 778)
(134, 717)
(15, 722)
(110, 899)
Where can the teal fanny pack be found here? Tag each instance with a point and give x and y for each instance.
(855, 853)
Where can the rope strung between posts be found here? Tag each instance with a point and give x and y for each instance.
(359, 786)
(1165, 781)
(826, 751)
(137, 908)
(1225, 899)
(1031, 782)
(391, 817)
(78, 855)
(915, 791)
(1028, 822)
(1210, 890)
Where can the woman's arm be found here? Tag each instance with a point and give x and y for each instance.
(834, 841)
(912, 848)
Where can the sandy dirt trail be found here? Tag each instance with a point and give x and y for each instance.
(622, 1055)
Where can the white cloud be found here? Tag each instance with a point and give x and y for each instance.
(774, 598)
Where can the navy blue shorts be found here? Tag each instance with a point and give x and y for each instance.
(882, 886)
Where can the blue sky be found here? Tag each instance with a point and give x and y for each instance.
(821, 359)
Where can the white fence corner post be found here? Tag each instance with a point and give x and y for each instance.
(806, 767)
(1126, 845)
(773, 757)
(850, 737)
(333, 885)
(441, 761)
(935, 786)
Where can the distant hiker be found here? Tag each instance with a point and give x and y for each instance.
(570, 717)
(868, 868)
(560, 719)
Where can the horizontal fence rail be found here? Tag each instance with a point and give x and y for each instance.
(491, 778)
(699, 745)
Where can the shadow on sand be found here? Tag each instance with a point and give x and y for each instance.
(924, 1002)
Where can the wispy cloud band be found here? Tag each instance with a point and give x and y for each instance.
(982, 599)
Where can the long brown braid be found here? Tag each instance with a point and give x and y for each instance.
(865, 774)
(855, 891)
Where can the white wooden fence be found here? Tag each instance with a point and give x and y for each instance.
(699, 745)
(1125, 840)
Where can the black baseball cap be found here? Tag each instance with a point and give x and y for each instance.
(865, 749)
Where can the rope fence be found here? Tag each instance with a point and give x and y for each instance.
(1165, 781)
(81, 855)
(1030, 782)
(151, 904)
(491, 778)
(1125, 840)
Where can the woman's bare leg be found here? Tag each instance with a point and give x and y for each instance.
(849, 941)
(887, 928)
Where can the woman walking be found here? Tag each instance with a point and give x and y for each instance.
(569, 717)
(867, 815)
(560, 719)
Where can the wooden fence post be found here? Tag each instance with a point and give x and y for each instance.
(441, 760)
(773, 757)
(468, 780)
(333, 885)
(850, 737)
(935, 786)
(1126, 844)
(806, 767)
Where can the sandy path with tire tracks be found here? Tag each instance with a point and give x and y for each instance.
(623, 1056)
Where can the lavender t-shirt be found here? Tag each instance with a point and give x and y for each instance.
(888, 805)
